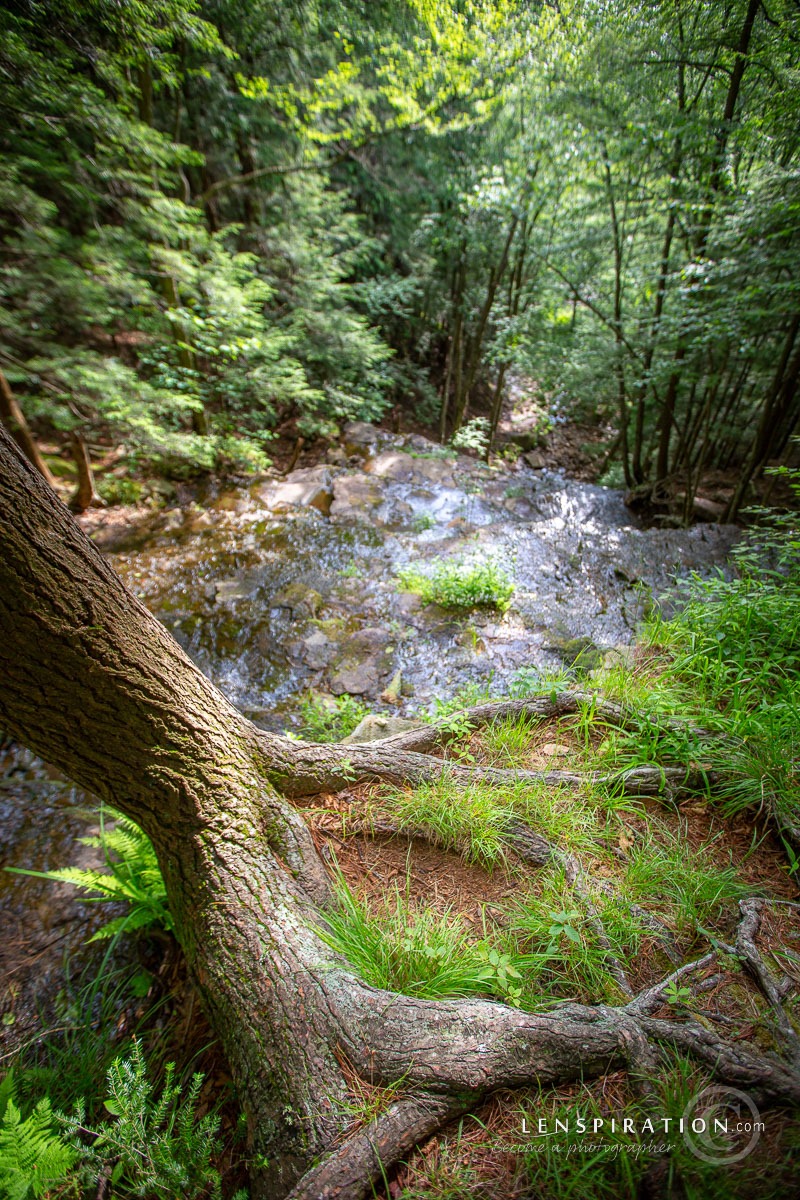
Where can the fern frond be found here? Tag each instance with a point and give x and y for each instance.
(33, 1156)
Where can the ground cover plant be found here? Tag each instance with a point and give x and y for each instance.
(460, 585)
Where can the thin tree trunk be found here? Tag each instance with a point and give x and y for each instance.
(86, 495)
(13, 418)
(667, 414)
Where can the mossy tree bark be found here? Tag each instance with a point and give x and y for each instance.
(94, 684)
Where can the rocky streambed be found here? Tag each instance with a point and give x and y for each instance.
(291, 584)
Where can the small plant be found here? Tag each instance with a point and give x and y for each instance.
(563, 925)
(472, 436)
(502, 971)
(460, 585)
(422, 522)
(133, 876)
(150, 1147)
(676, 995)
(329, 718)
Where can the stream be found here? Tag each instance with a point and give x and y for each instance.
(290, 584)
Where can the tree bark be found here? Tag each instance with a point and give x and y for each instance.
(95, 685)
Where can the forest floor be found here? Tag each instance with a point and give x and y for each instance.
(632, 886)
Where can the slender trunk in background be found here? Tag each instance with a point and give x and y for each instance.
(13, 418)
(87, 495)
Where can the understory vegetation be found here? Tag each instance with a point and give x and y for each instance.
(593, 890)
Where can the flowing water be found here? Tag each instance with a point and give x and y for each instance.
(286, 586)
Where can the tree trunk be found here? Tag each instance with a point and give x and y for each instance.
(86, 495)
(13, 418)
(95, 685)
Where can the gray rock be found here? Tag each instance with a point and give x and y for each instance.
(535, 460)
(374, 726)
(392, 464)
(226, 590)
(302, 601)
(355, 496)
(356, 678)
(319, 650)
(309, 487)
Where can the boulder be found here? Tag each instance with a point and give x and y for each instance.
(358, 436)
(392, 464)
(308, 487)
(302, 601)
(355, 496)
(318, 650)
(364, 662)
(374, 726)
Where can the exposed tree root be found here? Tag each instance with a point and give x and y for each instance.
(303, 770)
(750, 955)
(349, 1171)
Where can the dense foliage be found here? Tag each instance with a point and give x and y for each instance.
(217, 219)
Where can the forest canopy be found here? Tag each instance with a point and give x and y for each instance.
(220, 220)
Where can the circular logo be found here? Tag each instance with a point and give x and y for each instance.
(721, 1125)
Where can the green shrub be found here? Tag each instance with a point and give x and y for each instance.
(329, 719)
(150, 1147)
(460, 585)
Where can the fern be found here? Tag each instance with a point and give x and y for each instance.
(133, 876)
(33, 1155)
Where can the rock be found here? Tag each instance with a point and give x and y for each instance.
(554, 750)
(354, 496)
(580, 650)
(319, 650)
(365, 660)
(374, 727)
(173, 519)
(356, 678)
(226, 590)
(619, 656)
(435, 470)
(308, 487)
(392, 464)
(203, 520)
(535, 460)
(302, 601)
(392, 694)
(359, 436)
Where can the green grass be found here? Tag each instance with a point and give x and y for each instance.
(548, 933)
(472, 820)
(460, 585)
(404, 949)
(685, 885)
(506, 741)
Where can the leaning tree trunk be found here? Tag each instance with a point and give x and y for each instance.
(94, 684)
